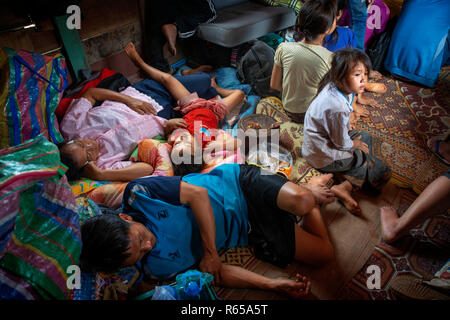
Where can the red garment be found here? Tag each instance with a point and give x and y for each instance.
(206, 126)
(64, 103)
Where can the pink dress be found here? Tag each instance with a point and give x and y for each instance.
(115, 127)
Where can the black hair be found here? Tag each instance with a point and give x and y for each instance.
(73, 172)
(183, 169)
(341, 5)
(343, 62)
(314, 18)
(105, 242)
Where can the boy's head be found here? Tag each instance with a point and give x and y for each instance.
(75, 154)
(111, 242)
(186, 153)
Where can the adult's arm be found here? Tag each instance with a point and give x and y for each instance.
(238, 277)
(198, 199)
(100, 94)
(129, 173)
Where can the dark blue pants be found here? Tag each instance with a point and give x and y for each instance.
(198, 82)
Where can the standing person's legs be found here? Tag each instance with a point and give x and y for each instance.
(434, 199)
(358, 20)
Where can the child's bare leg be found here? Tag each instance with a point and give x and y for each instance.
(175, 87)
(221, 91)
(233, 99)
(343, 193)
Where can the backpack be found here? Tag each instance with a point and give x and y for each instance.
(254, 66)
(379, 46)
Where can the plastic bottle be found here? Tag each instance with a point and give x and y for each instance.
(164, 293)
(189, 285)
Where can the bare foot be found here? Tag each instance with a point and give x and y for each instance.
(376, 87)
(389, 219)
(343, 193)
(298, 288)
(170, 32)
(202, 68)
(132, 53)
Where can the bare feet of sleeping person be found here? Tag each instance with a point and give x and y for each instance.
(170, 32)
(298, 288)
(131, 52)
(343, 192)
(202, 68)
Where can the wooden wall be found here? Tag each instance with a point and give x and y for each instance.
(106, 27)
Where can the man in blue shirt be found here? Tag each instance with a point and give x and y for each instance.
(171, 224)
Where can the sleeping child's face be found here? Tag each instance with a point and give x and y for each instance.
(183, 143)
(355, 80)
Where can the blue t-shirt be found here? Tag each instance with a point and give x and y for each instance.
(346, 39)
(155, 201)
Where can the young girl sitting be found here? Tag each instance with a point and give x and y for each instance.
(299, 66)
(328, 145)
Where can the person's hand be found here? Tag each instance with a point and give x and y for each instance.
(91, 171)
(212, 264)
(360, 110)
(322, 194)
(358, 144)
(354, 117)
(140, 106)
(173, 124)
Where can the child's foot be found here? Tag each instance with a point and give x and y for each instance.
(389, 218)
(298, 288)
(132, 53)
(343, 193)
(170, 32)
(376, 87)
(202, 68)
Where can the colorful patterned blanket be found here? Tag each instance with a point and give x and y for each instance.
(39, 225)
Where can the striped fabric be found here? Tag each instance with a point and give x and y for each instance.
(293, 4)
(39, 225)
(32, 85)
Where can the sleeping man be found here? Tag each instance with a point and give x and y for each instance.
(172, 224)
